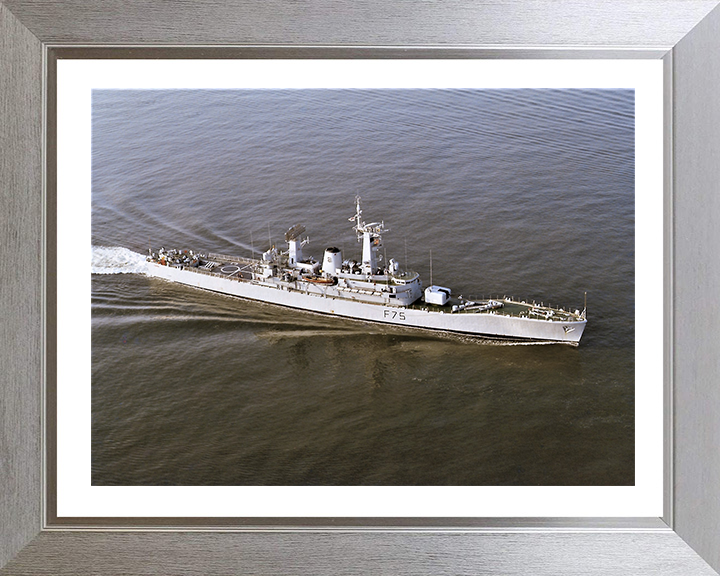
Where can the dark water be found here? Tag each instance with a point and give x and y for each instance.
(527, 193)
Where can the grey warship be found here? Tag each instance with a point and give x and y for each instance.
(365, 289)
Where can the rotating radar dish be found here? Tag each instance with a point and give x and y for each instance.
(294, 232)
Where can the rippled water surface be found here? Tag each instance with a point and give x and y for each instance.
(528, 193)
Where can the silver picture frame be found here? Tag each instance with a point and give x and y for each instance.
(685, 34)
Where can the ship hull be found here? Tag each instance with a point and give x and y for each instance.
(487, 324)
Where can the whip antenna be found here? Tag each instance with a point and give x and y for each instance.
(431, 282)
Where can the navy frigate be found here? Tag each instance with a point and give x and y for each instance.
(368, 289)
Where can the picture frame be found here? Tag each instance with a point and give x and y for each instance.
(685, 35)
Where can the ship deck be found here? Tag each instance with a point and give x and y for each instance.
(509, 308)
(239, 268)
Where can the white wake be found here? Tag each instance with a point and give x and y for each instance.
(117, 260)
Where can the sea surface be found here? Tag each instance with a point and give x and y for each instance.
(528, 193)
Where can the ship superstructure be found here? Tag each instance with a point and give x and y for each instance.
(368, 289)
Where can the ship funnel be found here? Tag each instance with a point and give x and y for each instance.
(332, 261)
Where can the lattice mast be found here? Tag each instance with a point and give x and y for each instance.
(371, 237)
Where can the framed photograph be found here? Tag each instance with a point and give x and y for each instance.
(424, 394)
(596, 154)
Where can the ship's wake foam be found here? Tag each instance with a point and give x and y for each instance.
(117, 260)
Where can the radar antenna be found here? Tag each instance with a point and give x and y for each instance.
(359, 225)
(374, 228)
(294, 232)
